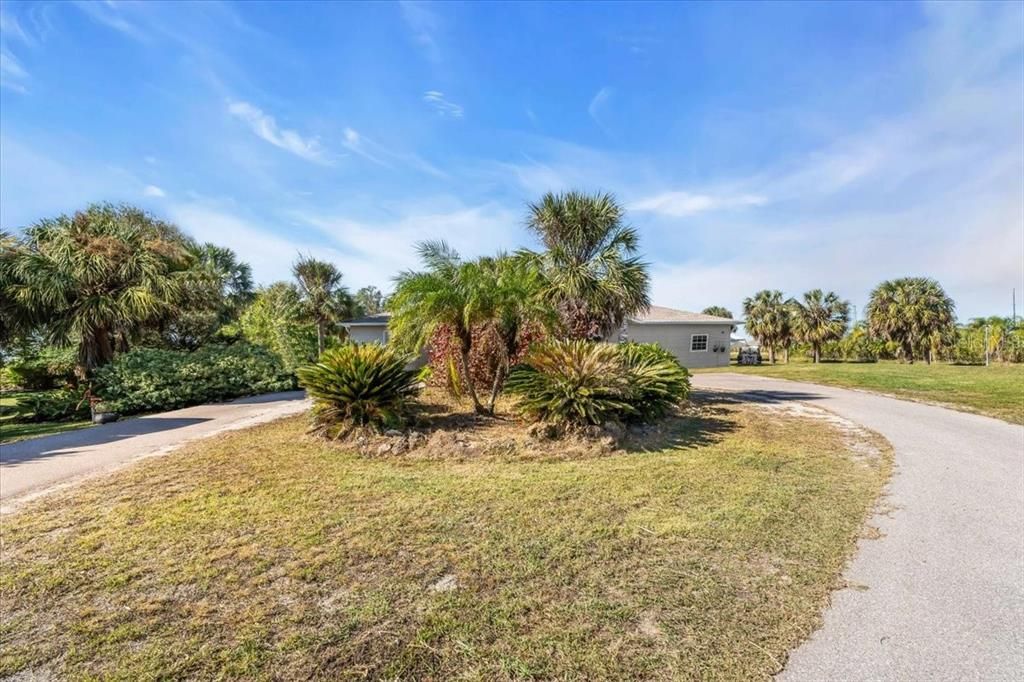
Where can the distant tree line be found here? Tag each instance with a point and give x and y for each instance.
(910, 318)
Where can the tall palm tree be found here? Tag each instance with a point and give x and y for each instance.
(819, 318)
(445, 292)
(96, 278)
(323, 297)
(591, 272)
(768, 320)
(912, 312)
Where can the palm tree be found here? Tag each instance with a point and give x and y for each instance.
(821, 317)
(768, 320)
(369, 300)
(446, 292)
(323, 297)
(590, 272)
(94, 279)
(912, 312)
(718, 311)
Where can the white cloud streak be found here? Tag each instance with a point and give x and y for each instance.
(424, 24)
(444, 107)
(264, 126)
(153, 191)
(682, 204)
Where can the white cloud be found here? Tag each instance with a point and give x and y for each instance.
(109, 14)
(12, 73)
(444, 107)
(265, 127)
(681, 204)
(153, 191)
(377, 153)
(423, 24)
(12, 29)
(598, 103)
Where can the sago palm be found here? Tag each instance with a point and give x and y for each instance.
(767, 319)
(819, 318)
(911, 312)
(592, 273)
(96, 278)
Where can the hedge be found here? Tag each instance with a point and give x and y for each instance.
(150, 379)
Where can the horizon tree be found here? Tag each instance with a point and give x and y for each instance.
(94, 279)
(767, 318)
(821, 317)
(915, 313)
(717, 311)
(369, 300)
(324, 299)
(591, 273)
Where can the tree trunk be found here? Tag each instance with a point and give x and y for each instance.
(319, 339)
(817, 353)
(785, 355)
(499, 379)
(771, 354)
(470, 387)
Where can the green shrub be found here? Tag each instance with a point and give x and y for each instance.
(356, 385)
(59, 404)
(572, 382)
(150, 379)
(658, 382)
(577, 383)
(49, 368)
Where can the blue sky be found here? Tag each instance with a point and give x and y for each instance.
(787, 146)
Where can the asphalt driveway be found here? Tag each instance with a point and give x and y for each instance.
(36, 466)
(940, 596)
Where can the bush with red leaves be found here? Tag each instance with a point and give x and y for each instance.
(484, 359)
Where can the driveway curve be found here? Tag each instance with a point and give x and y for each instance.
(940, 596)
(34, 467)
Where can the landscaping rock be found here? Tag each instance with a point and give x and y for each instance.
(393, 433)
(384, 448)
(447, 583)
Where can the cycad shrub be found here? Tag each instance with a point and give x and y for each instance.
(358, 385)
(572, 382)
(658, 382)
(578, 383)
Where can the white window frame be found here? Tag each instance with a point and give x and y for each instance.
(707, 343)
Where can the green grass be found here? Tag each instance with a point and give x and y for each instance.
(11, 431)
(997, 390)
(269, 555)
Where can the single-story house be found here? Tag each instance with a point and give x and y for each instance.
(368, 329)
(374, 329)
(696, 339)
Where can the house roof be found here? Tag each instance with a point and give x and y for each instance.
(657, 314)
(380, 320)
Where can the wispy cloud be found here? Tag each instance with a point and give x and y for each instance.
(597, 105)
(377, 153)
(265, 127)
(423, 23)
(444, 107)
(11, 29)
(109, 14)
(12, 73)
(153, 191)
(681, 204)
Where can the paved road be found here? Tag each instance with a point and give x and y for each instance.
(37, 466)
(945, 583)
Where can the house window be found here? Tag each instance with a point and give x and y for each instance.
(698, 342)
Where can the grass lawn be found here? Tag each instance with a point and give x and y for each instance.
(11, 431)
(267, 554)
(997, 390)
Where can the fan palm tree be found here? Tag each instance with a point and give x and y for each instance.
(768, 320)
(96, 278)
(323, 297)
(591, 273)
(819, 318)
(911, 312)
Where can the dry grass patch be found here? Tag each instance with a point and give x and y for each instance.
(268, 555)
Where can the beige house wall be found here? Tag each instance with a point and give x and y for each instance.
(676, 337)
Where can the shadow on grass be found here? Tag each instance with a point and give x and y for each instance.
(704, 422)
